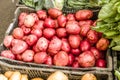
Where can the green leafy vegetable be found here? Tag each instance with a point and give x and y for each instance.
(109, 23)
(117, 74)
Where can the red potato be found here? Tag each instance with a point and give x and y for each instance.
(70, 17)
(49, 23)
(86, 59)
(96, 52)
(72, 27)
(61, 32)
(84, 45)
(42, 44)
(74, 41)
(21, 18)
(76, 51)
(84, 30)
(31, 39)
(28, 55)
(29, 21)
(102, 44)
(18, 33)
(19, 47)
(26, 30)
(65, 45)
(35, 48)
(38, 25)
(49, 60)
(101, 63)
(62, 20)
(71, 59)
(37, 32)
(18, 57)
(42, 14)
(40, 57)
(83, 15)
(8, 41)
(48, 33)
(54, 13)
(54, 45)
(92, 36)
(85, 22)
(7, 54)
(75, 64)
(35, 16)
(61, 59)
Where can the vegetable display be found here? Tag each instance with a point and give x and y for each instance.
(53, 38)
(109, 23)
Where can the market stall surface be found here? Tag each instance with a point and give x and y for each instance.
(7, 8)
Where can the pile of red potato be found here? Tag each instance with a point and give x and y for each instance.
(53, 38)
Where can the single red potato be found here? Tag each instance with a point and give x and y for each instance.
(54, 45)
(42, 44)
(102, 44)
(29, 21)
(85, 45)
(72, 27)
(84, 30)
(61, 32)
(7, 54)
(76, 51)
(18, 33)
(86, 59)
(26, 30)
(28, 55)
(31, 39)
(19, 47)
(8, 41)
(61, 59)
(74, 41)
(40, 57)
(65, 45)
(48, 33)
(92, 36)
(62, 20)
(71, 59)
(83, 15)
(54, 13)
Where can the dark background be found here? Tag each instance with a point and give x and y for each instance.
(7, 8)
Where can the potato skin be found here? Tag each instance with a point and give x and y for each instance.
(102, 44)
(83, 14)
(54, 13)
(8, 74)
(37, 79)
(74, 41)
(61, 59)
(54, 46)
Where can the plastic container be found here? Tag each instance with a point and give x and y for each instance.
(19, 63)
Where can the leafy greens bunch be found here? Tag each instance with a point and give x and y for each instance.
(46, 4)
(109, 23)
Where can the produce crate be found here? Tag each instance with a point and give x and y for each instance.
(45, 72)
(19, 63)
